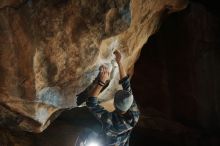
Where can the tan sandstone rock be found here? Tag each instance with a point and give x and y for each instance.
(50, 51)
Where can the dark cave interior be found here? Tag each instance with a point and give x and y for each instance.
(178, 73)
(176, 84)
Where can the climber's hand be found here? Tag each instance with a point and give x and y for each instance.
(104, 74)
(117, 56)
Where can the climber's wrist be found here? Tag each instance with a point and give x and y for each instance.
(101, 83)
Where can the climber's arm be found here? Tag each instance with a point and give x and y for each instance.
(124, 79)
(102, 78)
(92, 103)
(122, 71)
(96, 90)
(126, 85)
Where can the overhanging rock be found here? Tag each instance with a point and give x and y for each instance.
(51, 51)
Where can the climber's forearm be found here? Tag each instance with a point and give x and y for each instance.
(122, 71)
(96, 90)
(102, 78)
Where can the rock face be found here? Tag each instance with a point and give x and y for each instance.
(50, 51)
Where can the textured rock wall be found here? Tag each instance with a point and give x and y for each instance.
(50, 50)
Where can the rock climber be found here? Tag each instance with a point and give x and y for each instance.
(116, 125)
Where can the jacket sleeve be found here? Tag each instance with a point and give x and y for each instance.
(98, 111)
(133, 111)
(126, 85)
